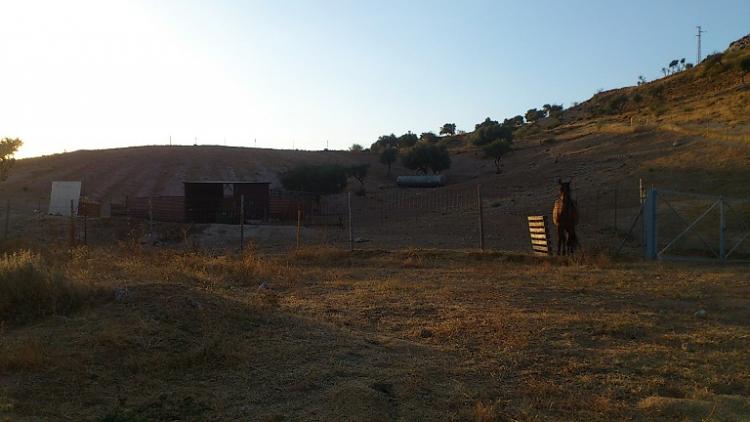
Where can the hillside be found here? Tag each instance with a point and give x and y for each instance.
(661, 131)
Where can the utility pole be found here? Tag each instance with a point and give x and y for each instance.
(700, 33)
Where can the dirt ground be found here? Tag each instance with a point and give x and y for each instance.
(324, 334)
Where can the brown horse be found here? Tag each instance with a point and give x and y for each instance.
(565, 217)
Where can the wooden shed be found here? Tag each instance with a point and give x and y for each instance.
(220, 201)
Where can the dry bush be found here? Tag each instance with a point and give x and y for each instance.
(484, 412)
(412, 259)
(29, 288)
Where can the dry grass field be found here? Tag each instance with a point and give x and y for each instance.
(129, 333)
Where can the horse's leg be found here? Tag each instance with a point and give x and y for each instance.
(560, 234)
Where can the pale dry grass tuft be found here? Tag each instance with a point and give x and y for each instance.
(30, 288)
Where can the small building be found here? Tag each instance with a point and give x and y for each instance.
(220, 201)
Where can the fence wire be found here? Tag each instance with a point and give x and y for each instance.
(440, 218)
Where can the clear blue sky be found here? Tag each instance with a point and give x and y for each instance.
(97, 74)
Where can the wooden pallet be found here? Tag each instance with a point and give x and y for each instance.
(541, 243)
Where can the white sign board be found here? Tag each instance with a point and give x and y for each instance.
(62, 194)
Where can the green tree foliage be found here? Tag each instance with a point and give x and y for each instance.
(407, 140)
(356, 148)
(323, 179)
(489, 131)
(486, 123)
(428, 137)
(423, 157)
(514, 122)
(554, 110)
(495, 150)
(8, 148)
(673, 66)
(385, 142)
(448, 129)
(534, 115)
(388, 156)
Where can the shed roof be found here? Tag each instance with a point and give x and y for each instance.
(221, 182)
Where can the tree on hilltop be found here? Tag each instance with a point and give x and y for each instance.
(534, 115)
(428, 137)
(8, 148)
(448, 129)
(385, 142)
(407, 140)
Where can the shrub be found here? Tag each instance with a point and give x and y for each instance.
(29, 288)
(617, 104)
(428, 137)
(426, 156)
(744, 66)
(324, 179)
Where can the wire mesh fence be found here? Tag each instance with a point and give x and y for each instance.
(458, 218)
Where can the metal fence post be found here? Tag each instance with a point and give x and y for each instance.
(85, 226)
(299, 224)
(596, 206)
(616, 189)
(351, 234)
(150, 218)
(649, 224)
(7, 218)
(481, 217)
(722, 229)
(242, 222)
(72, 225)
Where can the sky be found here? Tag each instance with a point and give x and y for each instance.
(310, 74)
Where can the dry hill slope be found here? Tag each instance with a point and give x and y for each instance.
(687, 131)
